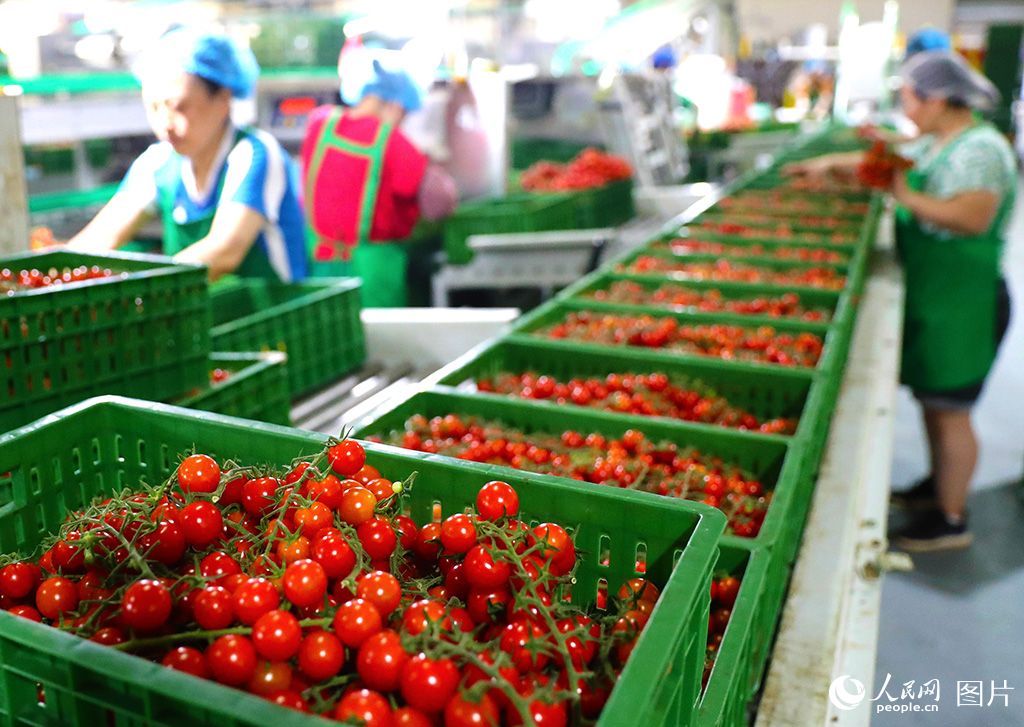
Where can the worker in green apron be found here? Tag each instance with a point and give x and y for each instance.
(366, 185)
(227, 197)
(953, 206)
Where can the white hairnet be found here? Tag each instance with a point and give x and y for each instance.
(941, 74)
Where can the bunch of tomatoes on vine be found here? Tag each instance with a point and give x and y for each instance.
(631, 461)
(641, 394)
(308, 585)
(708, 300)
(778, 231)
(590, 168)
(781, 202)
(691, 246)
(728, 342)
(16, 281)
(730, 271)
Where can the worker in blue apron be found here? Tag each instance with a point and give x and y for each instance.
(953, 207)
(226, 195)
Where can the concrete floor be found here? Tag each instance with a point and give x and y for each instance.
(958, 616)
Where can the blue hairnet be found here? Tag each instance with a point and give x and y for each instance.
(940, 74)
(664, 57)
(209, 55)
(395, 86)
(928, 39)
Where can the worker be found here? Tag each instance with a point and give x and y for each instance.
(926, 39)
(953, 207)
(227, 196)
(367, 185)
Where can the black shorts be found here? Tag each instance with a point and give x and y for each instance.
(964, 397)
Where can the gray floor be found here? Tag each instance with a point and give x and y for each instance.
(959, 617)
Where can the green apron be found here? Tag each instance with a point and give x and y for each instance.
(179, 235)
(381, 265)
(949, 329)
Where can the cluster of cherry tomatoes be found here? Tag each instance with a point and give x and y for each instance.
(310, 588)
(724, 590)
(642, 394)
(632, 461)
(727, 270)
(590, 168)
(674, 295)
(13, 281)
(779, 202)
(880, 165)
(779, 231)
(764, 218)
(727, 342)
(691, 246)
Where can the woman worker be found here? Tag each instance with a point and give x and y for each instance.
(953, 207)
(226, 195)
(367, 186)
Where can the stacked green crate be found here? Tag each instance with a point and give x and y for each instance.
(521, 212)
(142, 331)
(316, 322)
(256, 388)
(51, 677)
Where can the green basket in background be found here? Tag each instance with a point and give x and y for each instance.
(765, 394)
(316, 322)
(107, 444)
(256, 388)
(144, 333)
(520, 212)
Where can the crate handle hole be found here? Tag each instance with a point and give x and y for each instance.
(641, 557)
(604, 550)
(602, 593)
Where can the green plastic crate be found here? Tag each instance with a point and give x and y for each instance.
(109, 443)
(743, 653)
(607, 206)
(522, 330)
(316, 322)
(256, 389)
(828, 300)
(521, 212)
(144, 333)
(775, 461)
(622, 264)
(766, 394)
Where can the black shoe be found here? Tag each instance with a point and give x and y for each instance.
(921, 496)
(932, 531)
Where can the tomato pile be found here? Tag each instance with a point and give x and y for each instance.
(880, 165)
(13, 281)
(779, 231)
(690, 246)
(724, 590)
(729, 342)
(652, 395)
(633, 462)
(749, 218)
(590, 168)
(307, 586)
(674, 295)
(727, 270)
(780, 203)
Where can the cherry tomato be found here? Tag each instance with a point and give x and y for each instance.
(334, 555)
(364, 705)
(56, 597)
(213, 609)
(321, 655)
(420, 614)
(199, 473)
(357, 505)
(305, 583)
(346, 457)
(258, 495)
(277, 635)
(18, 580)
(253, 598)
(458, 533)
(728, 589)
(483, 571)
(270, 677)
(497, 500)
(380, 661)
(232, 659)
(202, 524)
(186, 659)
(428, 684)
(146, 605)
(378, 538)
(460, 712)
(355, 621)
(382, 590)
